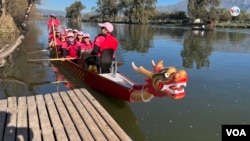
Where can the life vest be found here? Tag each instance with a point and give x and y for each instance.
(108, 41)
(87, 47)
(72, 50)
(64, 45)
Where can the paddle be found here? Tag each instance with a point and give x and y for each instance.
(54, 35)
(51, 59)
(44, 50)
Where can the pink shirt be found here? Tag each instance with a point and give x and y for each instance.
(86, 47)
(99, 40)
(54, 22)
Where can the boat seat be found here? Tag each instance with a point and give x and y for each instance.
(106, 60)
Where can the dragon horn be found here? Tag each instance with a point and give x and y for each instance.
(153, 63)
(159, 66)
(142, 70)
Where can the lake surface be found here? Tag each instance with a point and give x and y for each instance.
(217, 63)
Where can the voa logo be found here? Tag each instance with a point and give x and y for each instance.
(236, 132)
(235, 11)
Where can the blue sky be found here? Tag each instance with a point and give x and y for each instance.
(62, 4)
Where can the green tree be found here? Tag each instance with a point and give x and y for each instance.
(137, 11)
(142, 10)
(223, 15)
(73, 12)
(203, 9)
(108, 9)
(244, 16)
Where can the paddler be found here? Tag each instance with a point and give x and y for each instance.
(105, 40)
(53, 22)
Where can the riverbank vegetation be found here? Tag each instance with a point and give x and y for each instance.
(145, 12)
(11, 18)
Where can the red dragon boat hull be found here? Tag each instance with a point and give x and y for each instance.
(118, 86)
(161, 82)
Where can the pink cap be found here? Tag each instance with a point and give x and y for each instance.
(53, 15)
(86, 35)
(63, 33)
(70, 34)
(107, 25)
(80, 33)
(69, 29)
(75, 30)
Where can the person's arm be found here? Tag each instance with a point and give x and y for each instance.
(96, 50)
(78, 51)
(97, 43)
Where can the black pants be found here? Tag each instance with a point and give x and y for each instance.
(92, 60)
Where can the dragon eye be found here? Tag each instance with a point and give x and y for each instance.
(166, 75)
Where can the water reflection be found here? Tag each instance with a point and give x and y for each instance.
(198, 46)
(196, 49)
(74, 25)
(136, 38)
(172, 32)
(21, 78)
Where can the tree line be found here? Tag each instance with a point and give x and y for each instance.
(144, 11)
(133, 11)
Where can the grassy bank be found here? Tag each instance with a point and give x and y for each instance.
(7, 25)
(8, 30)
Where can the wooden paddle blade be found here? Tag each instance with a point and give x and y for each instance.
(44, 50)
(51, 59)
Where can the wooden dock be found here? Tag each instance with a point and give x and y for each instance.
(73, 115)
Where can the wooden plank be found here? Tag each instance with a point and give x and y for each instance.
(112, 123)
(47, 131)
(22, 123)
(35, 133)
(10, 129)
(67, 122)
(94, 129)
(80, 125)
(3, 114)
(57, 125)
(102, 124)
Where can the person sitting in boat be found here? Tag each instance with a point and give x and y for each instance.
(64, 47)
(103, 41)
(87, 43)
(79, 38)
(75, 31)
(53, 23)
(68, 30)
(54, 40)
(63, 42)
(85, 46)
(69, 50)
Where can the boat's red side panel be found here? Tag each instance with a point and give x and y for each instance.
(98, 82)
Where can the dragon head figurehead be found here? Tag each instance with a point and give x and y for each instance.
(163, 81)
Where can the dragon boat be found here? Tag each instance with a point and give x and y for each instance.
(161, 81)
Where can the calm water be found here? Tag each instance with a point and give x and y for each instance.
(217, 92)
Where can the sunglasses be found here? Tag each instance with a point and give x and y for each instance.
(70, 37)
